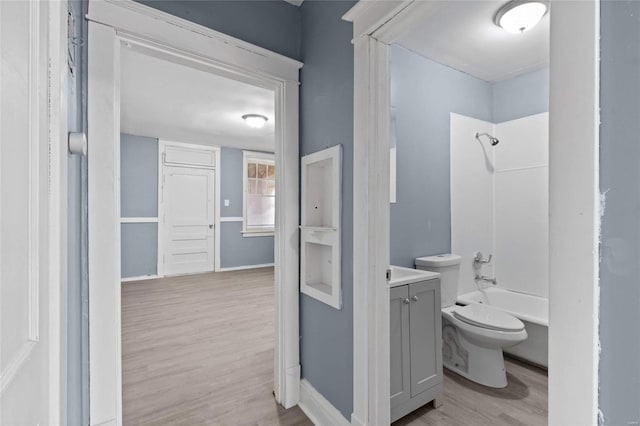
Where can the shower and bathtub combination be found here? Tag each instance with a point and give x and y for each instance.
(499, 206)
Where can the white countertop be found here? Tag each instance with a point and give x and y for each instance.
(403, 276)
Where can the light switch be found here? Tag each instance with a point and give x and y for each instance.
(226, 203)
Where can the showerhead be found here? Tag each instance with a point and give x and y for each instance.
(492, 140)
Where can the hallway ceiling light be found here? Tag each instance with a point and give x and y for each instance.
(519, 16)
(256, 121)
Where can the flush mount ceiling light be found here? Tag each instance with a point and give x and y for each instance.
(519, 16)
(255, 121)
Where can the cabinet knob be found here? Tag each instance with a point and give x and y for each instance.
(414, 298)
(406, 301)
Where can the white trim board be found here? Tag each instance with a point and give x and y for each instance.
(319, 410)
(140, 278)
(231, 219)
(113, 23)
(574, 208)
(245, 267)
(138, 220)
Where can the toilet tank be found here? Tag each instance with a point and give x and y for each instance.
(448, 266)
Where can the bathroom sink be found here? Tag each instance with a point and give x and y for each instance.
(402, 276)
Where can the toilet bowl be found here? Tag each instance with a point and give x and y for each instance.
(472, 342)
(473, 335)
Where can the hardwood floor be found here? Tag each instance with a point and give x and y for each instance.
(522, 403)
(199, 350)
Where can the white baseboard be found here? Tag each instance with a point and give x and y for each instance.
(243, 267)
(140, 278)
(320, 411)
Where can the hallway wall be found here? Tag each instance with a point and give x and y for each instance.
(326, 119)
(619, 369)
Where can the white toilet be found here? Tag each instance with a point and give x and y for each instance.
(472, 336)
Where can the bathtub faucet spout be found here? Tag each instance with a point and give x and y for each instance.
(486, 279)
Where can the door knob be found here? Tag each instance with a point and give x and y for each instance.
(414, 298)
(406, 301)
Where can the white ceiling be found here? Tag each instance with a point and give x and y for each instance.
(171, 101)
(462, 35)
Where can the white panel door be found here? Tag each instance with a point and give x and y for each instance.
(28, 369)
(189, 212)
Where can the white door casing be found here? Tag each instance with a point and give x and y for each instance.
(33, 38)
(188, 196)
(573, 205)
(112, 24)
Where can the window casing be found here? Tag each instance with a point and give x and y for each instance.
(259, 194)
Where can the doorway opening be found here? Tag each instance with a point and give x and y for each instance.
(197, 190)
(189, 174)
(572, 197)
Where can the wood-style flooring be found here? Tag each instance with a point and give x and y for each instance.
(199, 350)
(522, 403)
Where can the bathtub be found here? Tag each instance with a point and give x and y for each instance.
(533, 311)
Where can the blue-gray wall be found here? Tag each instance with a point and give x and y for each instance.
(424, 93)
(236, 250)
(326, 119)
(75, 299)
(521, 96)
(138, 176)
(272, 24)
(230, 188)
(620, 239)
(138, 198)
(139, 252)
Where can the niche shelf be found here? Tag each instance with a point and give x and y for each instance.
(320, 263)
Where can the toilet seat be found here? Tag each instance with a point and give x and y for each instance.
(484, 316)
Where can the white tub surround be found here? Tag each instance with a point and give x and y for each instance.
(533, 311)
(500, 201)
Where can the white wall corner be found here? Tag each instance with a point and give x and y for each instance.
(319, 410)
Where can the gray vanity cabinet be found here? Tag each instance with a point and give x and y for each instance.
(416, 346)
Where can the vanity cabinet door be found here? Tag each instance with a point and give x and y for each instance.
(425, 325)
(399, 354)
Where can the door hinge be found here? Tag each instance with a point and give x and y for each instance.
(388, 274)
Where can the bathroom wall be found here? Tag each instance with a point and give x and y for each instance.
(326, 119)
(499, 201)
(424, 93)
(521, 96)
(139, 198)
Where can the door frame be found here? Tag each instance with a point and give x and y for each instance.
(574, 205)
(118, 24)
(162, 144)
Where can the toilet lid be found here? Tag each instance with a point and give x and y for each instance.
(487, 317)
